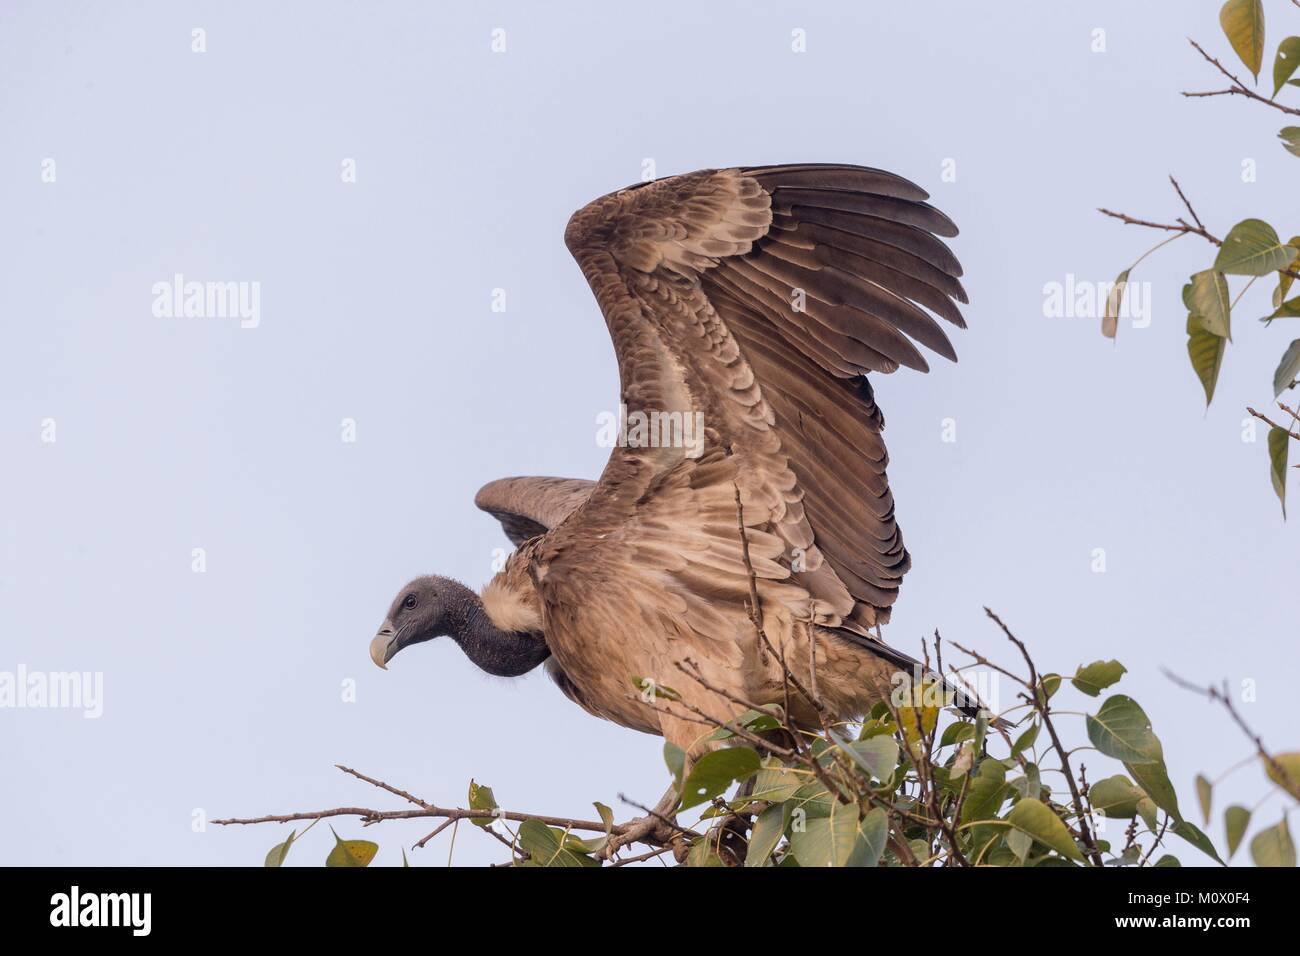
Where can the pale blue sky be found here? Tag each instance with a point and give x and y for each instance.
(222, 690)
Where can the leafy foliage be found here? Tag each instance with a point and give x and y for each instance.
(1252, 248)
(911, 784)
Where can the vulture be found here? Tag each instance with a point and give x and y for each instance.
(755, 301)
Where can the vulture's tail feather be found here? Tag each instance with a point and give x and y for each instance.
(966, 701)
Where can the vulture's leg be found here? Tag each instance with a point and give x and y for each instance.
(656, 825)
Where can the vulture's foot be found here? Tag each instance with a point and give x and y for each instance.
(647, 829)
(655, 827)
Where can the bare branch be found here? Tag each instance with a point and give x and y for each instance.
(1267, 420)
(1039, 699)
(1238, 88)
(1282, 778)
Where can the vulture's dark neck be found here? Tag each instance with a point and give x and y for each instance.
(502, 653)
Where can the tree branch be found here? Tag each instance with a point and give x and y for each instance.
(1238, 88)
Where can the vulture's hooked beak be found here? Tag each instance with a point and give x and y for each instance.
(384, 646)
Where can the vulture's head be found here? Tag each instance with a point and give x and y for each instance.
(434, 606)
(422, 610)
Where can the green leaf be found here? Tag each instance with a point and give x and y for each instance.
(1204, 794)
(986, 793)
(873, 832)
(716, 771)
(1120, 729)
(775, 782)
(1206, 351)
(675, 758)
(767, 832)
(405, 862)
(1020, 843)
(481, 798)
(1289, 309)
(1290, 764)
(1235, 822)
(1284, 279)
(828, 840)
(593, 844)
(1278, 440)
(1025, 740)
(1167, 860)
(956, 732)
(1115, 796)
(1252, 248)
(1273, 847)
(1153, 778)
(351, 853)
(1243, 25)
(1097, 676)
(877, 756)
(275, 857)
(1147, 810)
(1288, 369)
(1285, 63)
(1290, 137)
(1210, 301)
(1110, 320)
(1048, 685)
(544, 846)
(752, 720)
(1196, 838)
(1034, 818)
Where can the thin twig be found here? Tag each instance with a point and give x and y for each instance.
(1039, 699)
(1238, 88)
(1282, 778)
(1266, 419)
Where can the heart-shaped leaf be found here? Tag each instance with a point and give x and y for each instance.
(1209, 300)
(1252, 248)
(1235, 822)
(1273, 847)
(1093, 678)
(1206, 351)
(545, 847)
(828, 840)
(351, 853)
(716, 771)
(1290, 766)
(1120, 729)
(1115, 797)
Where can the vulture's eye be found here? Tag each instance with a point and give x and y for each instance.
(409, 602)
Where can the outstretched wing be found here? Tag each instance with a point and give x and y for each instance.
(527, 507)
(759, 299)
